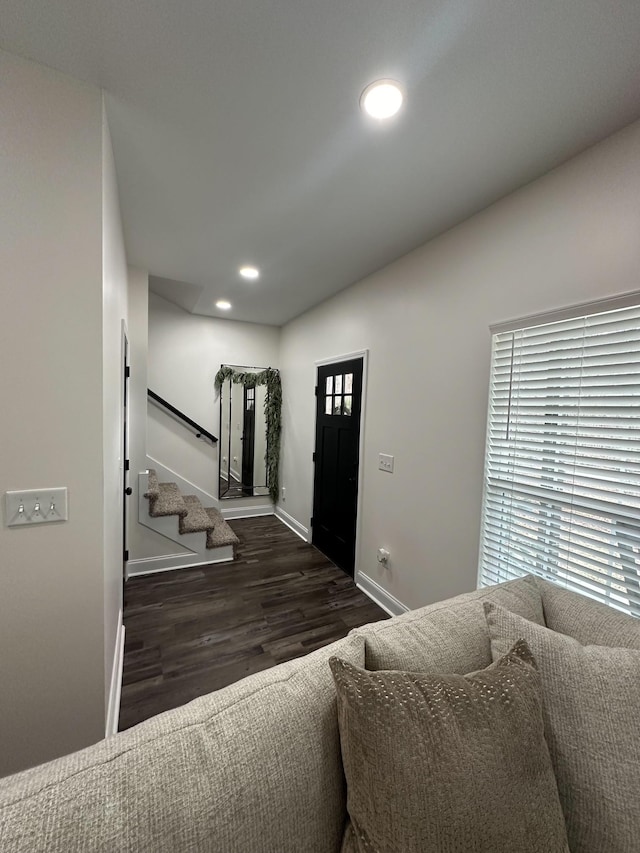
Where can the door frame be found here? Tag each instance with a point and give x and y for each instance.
(246, 442)
(125, 439)
(335, 359)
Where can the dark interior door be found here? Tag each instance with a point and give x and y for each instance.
(335, 491)
(248, 440)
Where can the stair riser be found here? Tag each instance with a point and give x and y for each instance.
(195, 552)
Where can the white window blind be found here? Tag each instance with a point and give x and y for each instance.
(562, 469)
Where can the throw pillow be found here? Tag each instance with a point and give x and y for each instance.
(587, 621)
(449, 636)
(448, 763)
(591, 704)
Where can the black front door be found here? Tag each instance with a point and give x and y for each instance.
(248, 440)
(335, 491)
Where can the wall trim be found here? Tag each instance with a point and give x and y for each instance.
(113, 707)
(246, 512)
(333, 359)
(171, 563)
(299, 529)
(382, 598)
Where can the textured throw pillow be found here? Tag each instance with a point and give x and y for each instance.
(591, 704)
(449, 636)
(587, 621)
(448, 763)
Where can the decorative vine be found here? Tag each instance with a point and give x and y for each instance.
(272, 413)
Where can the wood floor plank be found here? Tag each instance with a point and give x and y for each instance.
(192, 631)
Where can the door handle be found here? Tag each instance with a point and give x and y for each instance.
(128, 490)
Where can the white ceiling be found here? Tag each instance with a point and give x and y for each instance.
(238, 137)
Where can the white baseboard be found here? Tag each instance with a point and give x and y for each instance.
(294, 524)
(246, 512)
(113, 709)
(171, 562)
(382, 598)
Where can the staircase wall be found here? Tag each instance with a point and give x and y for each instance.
(185, 353)
(178, 354)
(143, 543)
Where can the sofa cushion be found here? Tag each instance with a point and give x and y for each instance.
(253, 767)
(591, 708)
(448, 763)
(586, 620)
(450, 636)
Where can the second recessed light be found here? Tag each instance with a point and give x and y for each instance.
(249, 272)
(382, 99)
(223, 305)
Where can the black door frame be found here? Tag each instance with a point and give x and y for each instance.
(125, 402)
(336, 359)
(248, 441)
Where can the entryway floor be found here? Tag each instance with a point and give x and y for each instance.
(191, 631)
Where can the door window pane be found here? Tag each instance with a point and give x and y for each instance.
(328, 405)
(337, 405)
(348, 383)
(346, 405)
(329, 389)
(338, 384)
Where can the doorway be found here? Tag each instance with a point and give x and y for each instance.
(337, 460)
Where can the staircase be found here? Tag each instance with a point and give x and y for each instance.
(201, 531)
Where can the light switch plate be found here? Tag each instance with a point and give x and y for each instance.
(385, 462)
(36, 506)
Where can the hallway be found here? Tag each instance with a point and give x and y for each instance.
(191, 631)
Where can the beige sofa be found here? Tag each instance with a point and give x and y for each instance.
(257, 766)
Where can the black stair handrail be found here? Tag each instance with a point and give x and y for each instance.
(201, 432)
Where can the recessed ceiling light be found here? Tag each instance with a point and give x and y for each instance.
(223, 305)
(382, 99)
(249, 272)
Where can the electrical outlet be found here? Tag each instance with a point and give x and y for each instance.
(284, 493)
(385, 462)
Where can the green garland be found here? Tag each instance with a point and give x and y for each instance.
(272, 413)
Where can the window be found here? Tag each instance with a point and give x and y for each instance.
(562, 468)
(338, 394)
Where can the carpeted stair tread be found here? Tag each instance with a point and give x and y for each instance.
(168, 502)
(196, 520)
(153, 487)
(221, 534)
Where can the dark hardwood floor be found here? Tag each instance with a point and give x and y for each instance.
(191, 631)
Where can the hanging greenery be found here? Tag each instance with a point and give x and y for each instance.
(272, 413)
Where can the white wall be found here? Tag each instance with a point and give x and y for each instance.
(570, 237)
(141, 541)
(52, 662)
(114, 294)
(185, 353)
